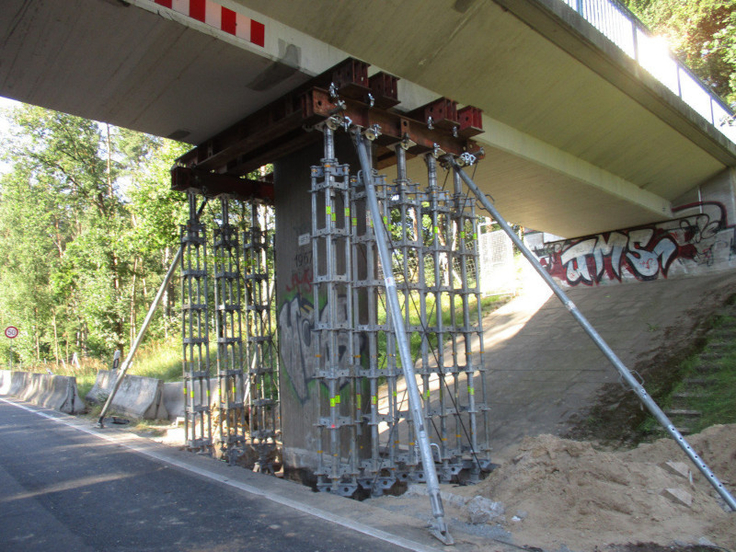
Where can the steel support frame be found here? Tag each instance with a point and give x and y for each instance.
(262, 357)
(195, 332)
(228, 328)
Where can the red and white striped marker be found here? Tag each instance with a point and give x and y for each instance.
(219, 17)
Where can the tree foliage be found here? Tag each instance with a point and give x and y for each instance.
(87, 223)
(701, 32)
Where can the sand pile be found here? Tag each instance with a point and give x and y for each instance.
(560, 492)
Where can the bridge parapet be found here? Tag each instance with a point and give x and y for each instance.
(627, 32)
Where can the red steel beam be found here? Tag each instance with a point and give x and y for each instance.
(279, 128)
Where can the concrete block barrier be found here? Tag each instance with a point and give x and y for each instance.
(137, 397)
(174, 397)
(56, 392)
(18, 382)
(101, 389)
(5, 377)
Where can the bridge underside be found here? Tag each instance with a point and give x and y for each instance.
(578, 139)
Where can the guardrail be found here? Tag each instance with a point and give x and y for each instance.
(625, 30)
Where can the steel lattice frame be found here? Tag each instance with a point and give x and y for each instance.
(332, 284)
(195, 332)
(434, 243)
(262, 356)
(228, 327)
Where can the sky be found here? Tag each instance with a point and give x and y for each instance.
(5, 104)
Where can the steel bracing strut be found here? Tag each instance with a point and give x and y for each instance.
(626, 375)
(433, 489)
(151, 310)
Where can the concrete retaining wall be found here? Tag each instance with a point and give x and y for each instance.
(137, 397)
(699, 240)
(174, 399)
(56, 392)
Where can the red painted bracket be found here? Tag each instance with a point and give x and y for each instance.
(443, 113)
(351, 79)
(471, 121)
(385, 90)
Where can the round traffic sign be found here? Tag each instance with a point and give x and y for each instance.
(11, 332)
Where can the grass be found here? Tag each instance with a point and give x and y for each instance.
(716, 400)
(160, 359)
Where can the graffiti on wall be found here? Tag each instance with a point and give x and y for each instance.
(302, 350)
(699, 238)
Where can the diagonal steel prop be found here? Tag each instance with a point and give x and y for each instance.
(439, 530)
(144, 326)
(598, 340)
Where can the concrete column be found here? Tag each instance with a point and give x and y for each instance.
(299, 343)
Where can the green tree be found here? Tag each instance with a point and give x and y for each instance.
(70, 214)
(701, 32)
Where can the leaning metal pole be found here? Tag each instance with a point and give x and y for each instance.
(144, 326)
(602, 345)
(433, 487)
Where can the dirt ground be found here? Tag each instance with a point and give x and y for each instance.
(558, 494)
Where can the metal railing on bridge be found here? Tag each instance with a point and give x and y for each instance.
(625, 30)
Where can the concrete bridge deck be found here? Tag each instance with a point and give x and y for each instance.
(579, 138)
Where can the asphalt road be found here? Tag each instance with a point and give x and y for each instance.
(64, 489)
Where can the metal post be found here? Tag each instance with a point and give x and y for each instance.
(598, 340)
(439, 530)
(144, 326)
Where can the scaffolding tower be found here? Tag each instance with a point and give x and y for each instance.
(433, 243)
(195, 332)
(262, 357)
(228, 327)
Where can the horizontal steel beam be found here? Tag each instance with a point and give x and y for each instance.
(345, 91)
(209, 184)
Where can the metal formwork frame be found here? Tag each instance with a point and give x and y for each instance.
(337, 470)
(262, 358)
(195, 332)
(228, 328)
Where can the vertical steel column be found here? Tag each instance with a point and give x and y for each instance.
(228, 328)
(332, 285)
(262, 359)
(626, 375)
(377, 473)
(466, 260)
(437, 252)
(406, 240)
(440, 528)
(195, 332)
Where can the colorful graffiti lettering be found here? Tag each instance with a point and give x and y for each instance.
(300, 282)
(643, 253)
